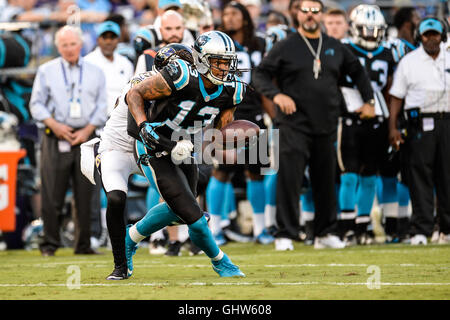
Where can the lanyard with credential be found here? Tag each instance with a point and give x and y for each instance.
(74, 106)
(70, 87)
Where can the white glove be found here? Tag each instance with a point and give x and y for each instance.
(182, 150)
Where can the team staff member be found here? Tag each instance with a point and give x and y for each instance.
(422, 82)
(117, 69)
(69, 97)
(307, 66)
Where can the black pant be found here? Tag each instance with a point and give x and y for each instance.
(177, 185)
(296, 151)
(428, 170)
(363, 145)
(57, 169)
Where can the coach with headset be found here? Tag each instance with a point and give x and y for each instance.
(422, 81)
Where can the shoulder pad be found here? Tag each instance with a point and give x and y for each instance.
(275, 34)
(279, 31)
(387, 44)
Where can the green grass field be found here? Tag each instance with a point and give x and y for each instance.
(373, 272)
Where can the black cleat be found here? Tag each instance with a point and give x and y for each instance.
(193, 249)
(174, 249)
(119, 273)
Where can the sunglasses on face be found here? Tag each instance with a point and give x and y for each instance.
(312, 10)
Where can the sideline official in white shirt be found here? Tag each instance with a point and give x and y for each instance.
(117, 69)
(422, 83)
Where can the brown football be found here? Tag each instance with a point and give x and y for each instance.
(237, 134)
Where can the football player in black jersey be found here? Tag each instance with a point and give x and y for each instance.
(172, 30)
(115, 161)
(396, 226)
(187, 99)
(237, 23)
(362, 144)
(406, 20)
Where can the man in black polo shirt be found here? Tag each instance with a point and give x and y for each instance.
(307, 67)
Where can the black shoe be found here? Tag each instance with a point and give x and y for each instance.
(89, 251)
(119, 273)
(193, 249)
(272, 230)
(47, 253)
(174, 249)
(309, 231)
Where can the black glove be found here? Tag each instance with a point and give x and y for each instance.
(151, 138)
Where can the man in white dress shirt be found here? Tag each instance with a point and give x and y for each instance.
(117, 68)
(422, 81)
(69, 98)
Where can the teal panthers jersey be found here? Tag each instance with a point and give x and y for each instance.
(191, 107)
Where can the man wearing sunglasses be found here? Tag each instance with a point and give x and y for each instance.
(307, 66)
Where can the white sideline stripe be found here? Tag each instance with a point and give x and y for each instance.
(153, 284)
(158, 265)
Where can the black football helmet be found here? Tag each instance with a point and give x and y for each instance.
(171, 52)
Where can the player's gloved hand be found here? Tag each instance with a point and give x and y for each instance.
(182, 150)
(148, 134)
(151, 138)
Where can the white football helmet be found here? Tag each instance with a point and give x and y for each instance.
(367, 26)
(194, 12)
(217, 45)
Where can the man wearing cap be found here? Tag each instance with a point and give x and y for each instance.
(422, 82)
(117, 68)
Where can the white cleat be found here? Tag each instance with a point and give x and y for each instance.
(283, 244)
(328, 241)
(418, 239)
(156, 247)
